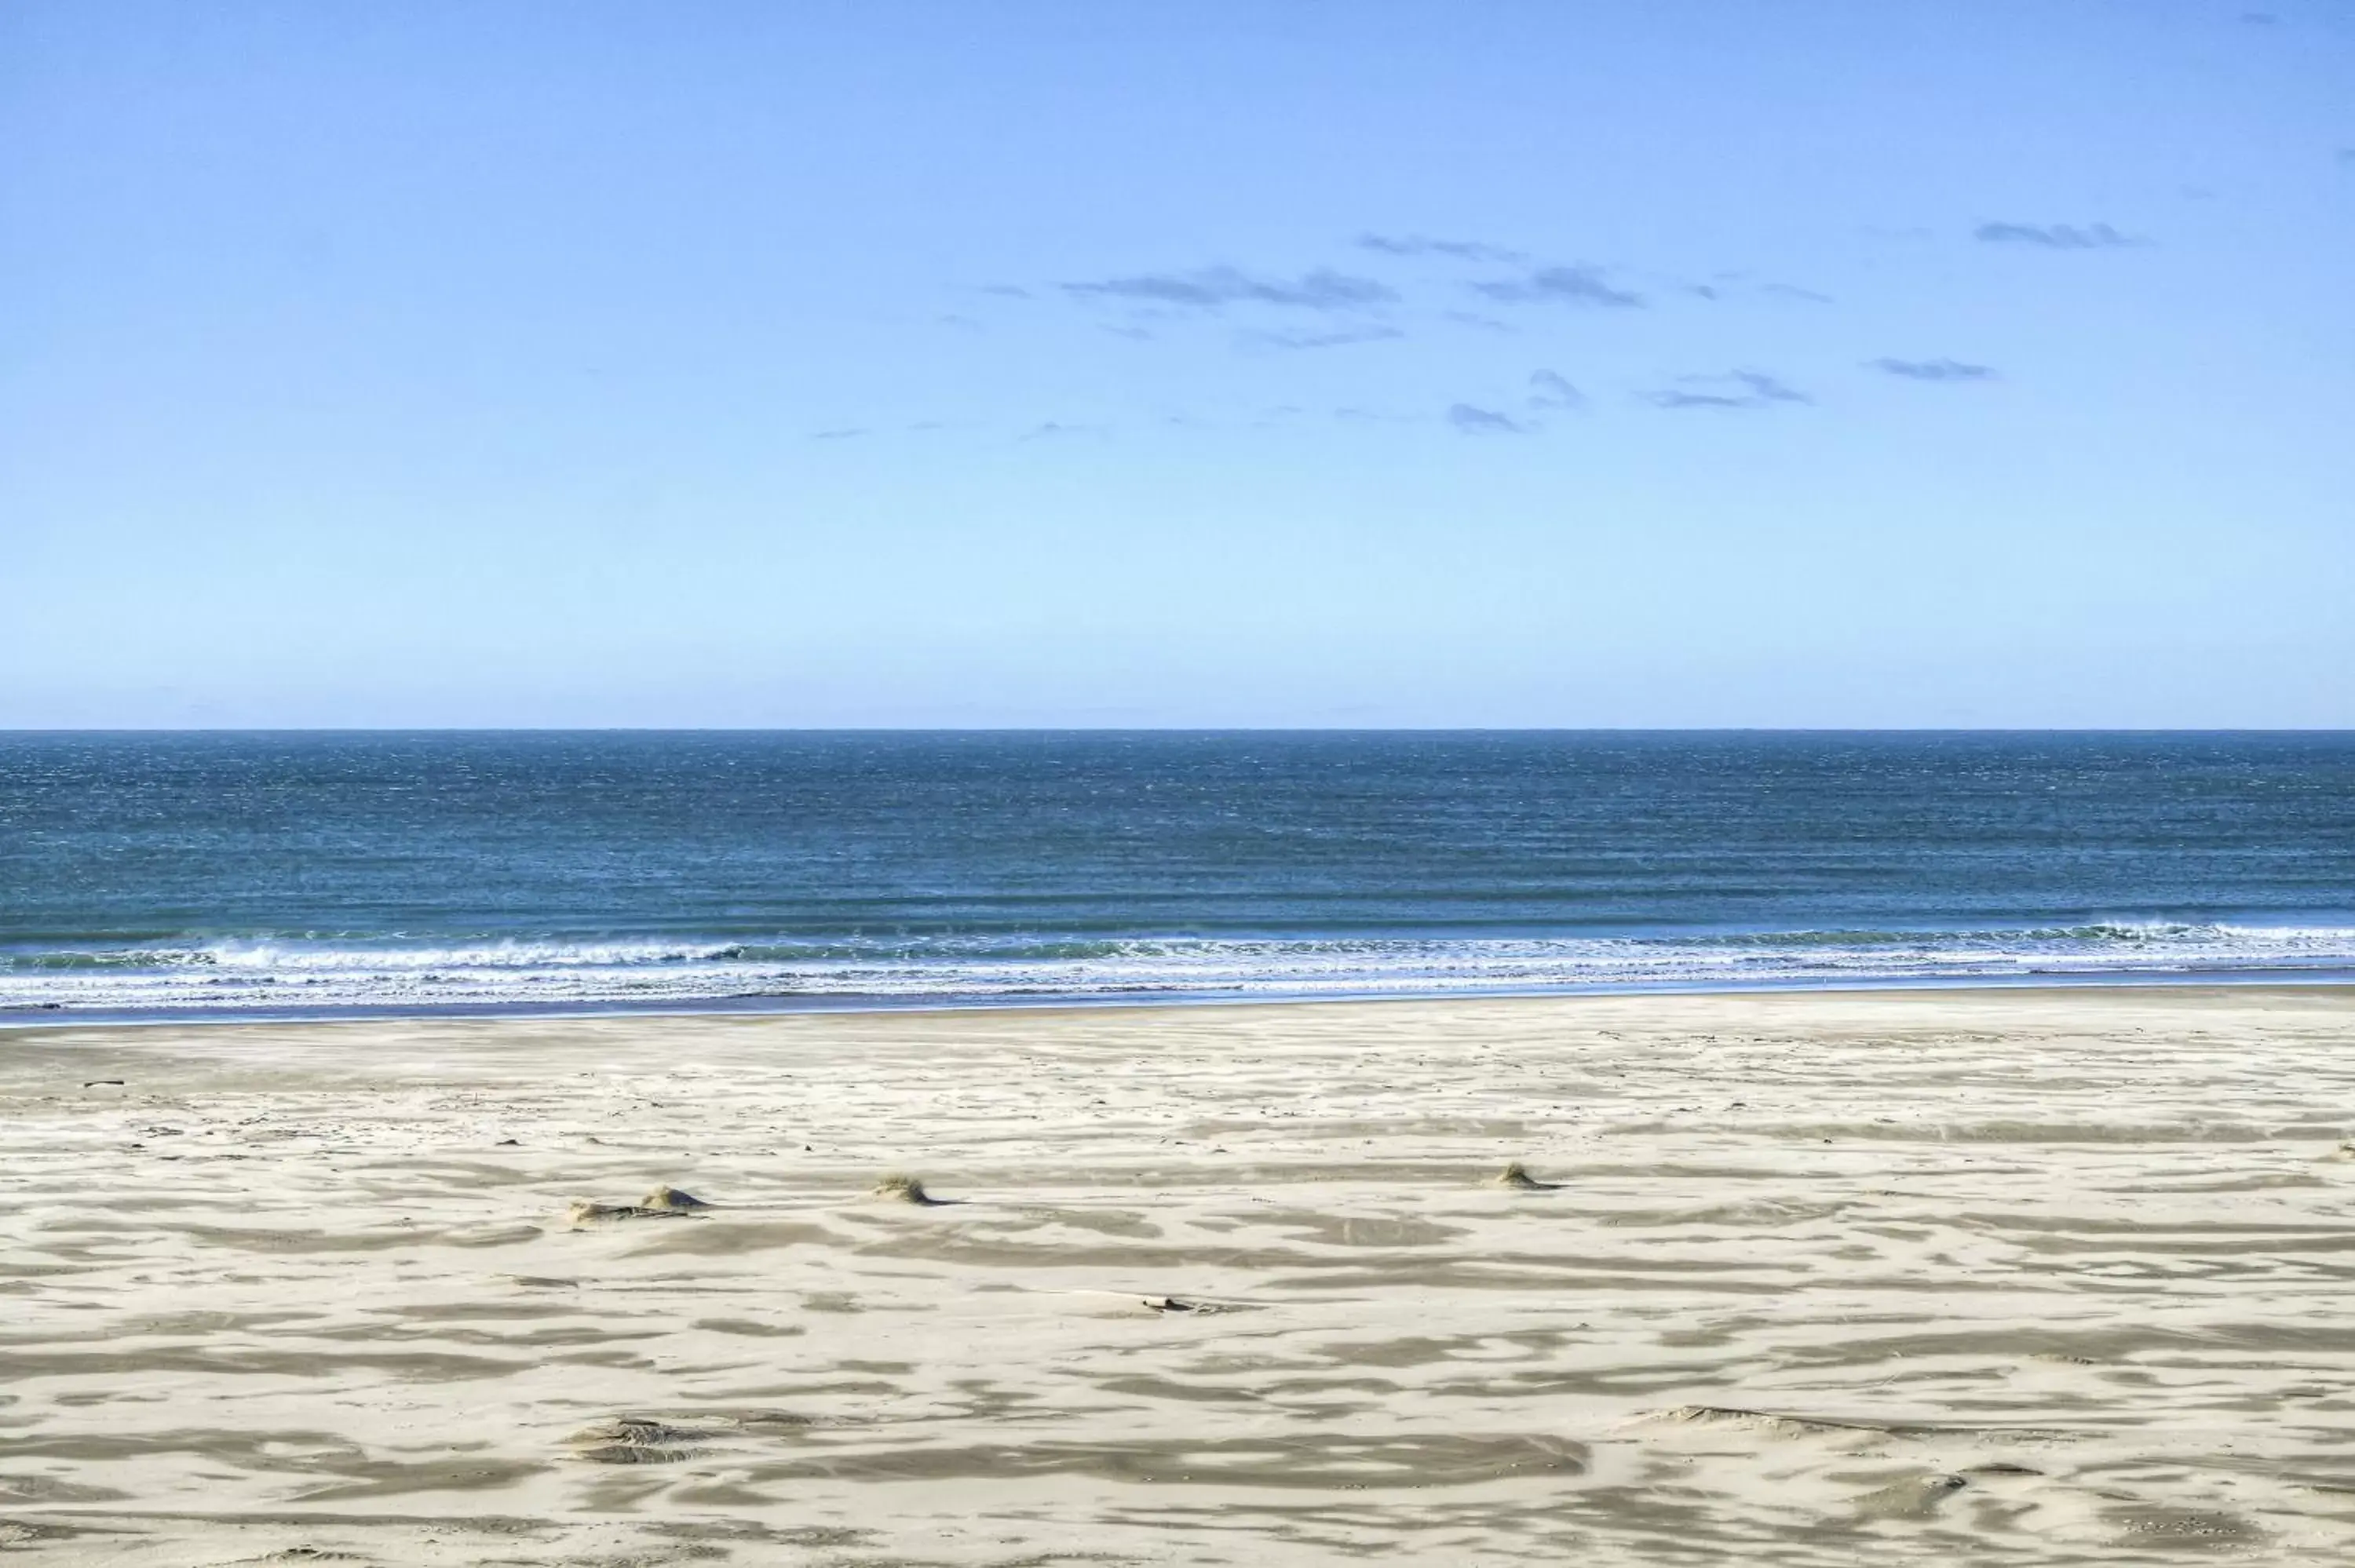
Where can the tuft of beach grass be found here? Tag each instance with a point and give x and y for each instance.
(585, 1212)
(901, 1188)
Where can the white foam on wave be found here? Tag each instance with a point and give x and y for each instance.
(327, 975)
(270, 958)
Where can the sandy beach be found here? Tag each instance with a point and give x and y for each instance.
(1972, 1276)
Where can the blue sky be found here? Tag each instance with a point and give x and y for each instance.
(1648, 364)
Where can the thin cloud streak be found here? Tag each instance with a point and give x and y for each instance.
(1932, 369)
(1215, 288)
(1735, 389)
(1471, 421)
(1339, 338)
(2056, 236)
(1425, 245)
(1580, 285)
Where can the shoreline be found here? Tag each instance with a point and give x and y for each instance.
(61, 1016)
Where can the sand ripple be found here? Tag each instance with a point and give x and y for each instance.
(1970, 1278)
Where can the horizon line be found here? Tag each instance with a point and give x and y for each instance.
(16, 732)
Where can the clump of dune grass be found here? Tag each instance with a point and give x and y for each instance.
(901, 1188)
(588, 1213)
(1517, 1176)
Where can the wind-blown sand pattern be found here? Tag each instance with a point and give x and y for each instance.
(1995, 1277)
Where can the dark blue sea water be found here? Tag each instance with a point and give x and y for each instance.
(205, 872)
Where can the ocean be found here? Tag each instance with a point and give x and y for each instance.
(218, 874)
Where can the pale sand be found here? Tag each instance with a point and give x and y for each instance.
(2025, 1276)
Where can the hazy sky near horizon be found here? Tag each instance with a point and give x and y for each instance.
(1647, 364)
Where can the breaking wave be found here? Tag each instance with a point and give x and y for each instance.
(320, 974)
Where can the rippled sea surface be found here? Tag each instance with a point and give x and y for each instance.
(210, 872)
